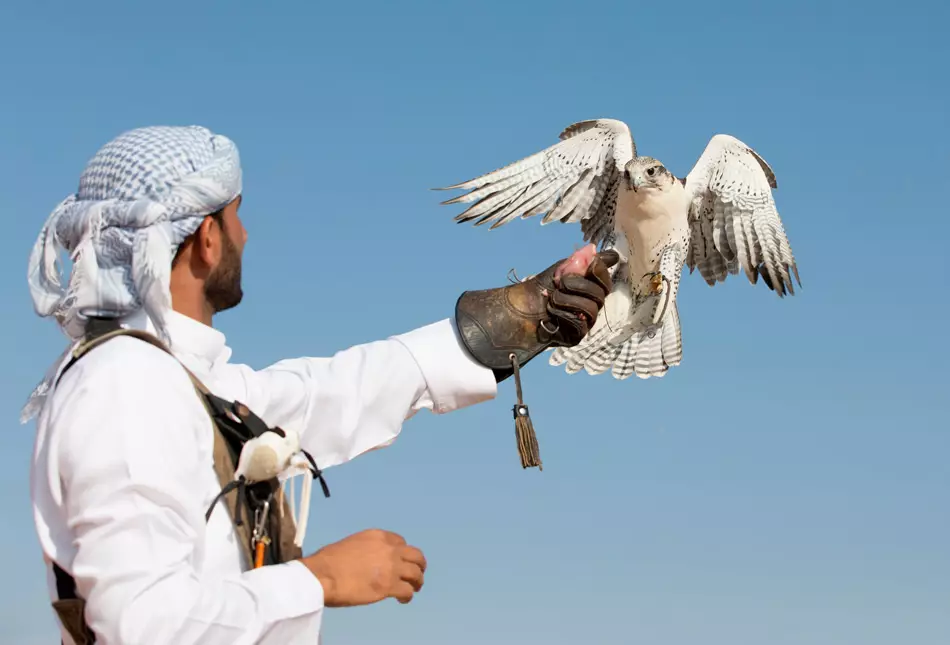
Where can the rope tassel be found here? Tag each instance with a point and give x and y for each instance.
(524, 429)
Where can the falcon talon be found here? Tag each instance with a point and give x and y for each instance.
(657, 280)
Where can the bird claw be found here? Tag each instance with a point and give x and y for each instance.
(656, 283)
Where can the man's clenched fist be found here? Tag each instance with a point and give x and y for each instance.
(554, 308)
(367, 567)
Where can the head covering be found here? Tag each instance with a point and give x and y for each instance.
(139, 198)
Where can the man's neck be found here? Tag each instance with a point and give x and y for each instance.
(199, 311)
(188, 335)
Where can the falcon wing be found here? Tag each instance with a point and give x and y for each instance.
(576, 179)
(733, 219)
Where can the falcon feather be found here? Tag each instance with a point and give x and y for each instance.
(720, 219)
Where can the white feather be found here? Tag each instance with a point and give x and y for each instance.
(569, 181)
(733, 218)
(720, 220)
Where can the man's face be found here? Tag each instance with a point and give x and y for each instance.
(223, 287)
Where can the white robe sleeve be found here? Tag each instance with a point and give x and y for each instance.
(130, 454)
(357, 400)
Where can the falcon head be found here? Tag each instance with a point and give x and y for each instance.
(644, 173)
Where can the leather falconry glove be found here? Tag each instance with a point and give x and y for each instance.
(506, 327)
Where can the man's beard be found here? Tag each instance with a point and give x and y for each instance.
(223, 288)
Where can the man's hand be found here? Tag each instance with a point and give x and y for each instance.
(576, 290)
(367, 567)
(556, 307)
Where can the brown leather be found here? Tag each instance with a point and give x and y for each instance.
(526, 318)
(224, 469)
(280, 527)
(71, 614)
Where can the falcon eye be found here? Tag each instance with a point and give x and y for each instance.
(651, 171)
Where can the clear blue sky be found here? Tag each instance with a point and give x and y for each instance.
(787, 484)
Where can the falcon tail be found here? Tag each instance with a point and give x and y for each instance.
(619, 342)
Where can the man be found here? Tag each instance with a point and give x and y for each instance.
(124, 462)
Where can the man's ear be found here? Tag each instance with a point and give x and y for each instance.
(207, 241)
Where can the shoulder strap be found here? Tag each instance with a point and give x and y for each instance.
(92, 342)
(104, 330)
(228, 440)
(69, 606)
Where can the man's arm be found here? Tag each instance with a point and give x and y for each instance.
(357, 400)
(133, 450)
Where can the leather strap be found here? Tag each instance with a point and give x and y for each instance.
(69, 606)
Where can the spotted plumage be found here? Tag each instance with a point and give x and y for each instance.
(719, 218)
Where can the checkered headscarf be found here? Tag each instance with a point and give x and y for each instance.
(139, 197)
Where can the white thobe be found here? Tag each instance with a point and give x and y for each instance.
(122, 474)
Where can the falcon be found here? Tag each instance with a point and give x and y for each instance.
(721, 217)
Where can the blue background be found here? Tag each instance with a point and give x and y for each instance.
(787, 484)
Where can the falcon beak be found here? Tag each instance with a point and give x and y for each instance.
(636, 180)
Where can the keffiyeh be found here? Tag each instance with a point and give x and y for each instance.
(139, 198)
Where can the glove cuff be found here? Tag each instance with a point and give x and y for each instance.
(495, 323)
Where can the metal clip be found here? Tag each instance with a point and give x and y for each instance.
(259, 538)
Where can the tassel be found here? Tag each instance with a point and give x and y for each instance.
(524, 429)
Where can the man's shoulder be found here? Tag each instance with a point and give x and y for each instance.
(123, 361)
(129, 351)
(125, 405)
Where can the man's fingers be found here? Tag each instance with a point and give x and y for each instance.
(584, 287)
(572, 327)
(609, 257)
(394, 538)
(414, 555)
(598, 271)
(403, 592)
(412, 573)
(575, 304)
